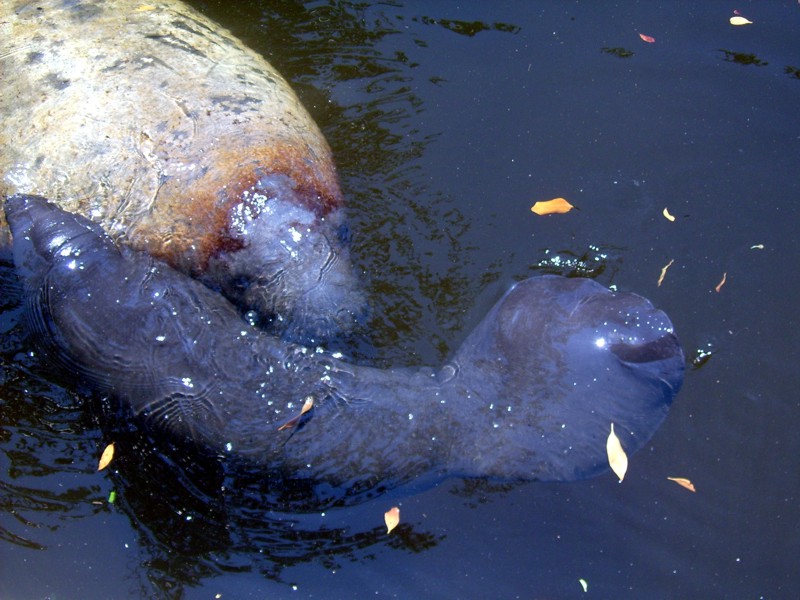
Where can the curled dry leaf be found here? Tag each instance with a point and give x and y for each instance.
(106, 457)
(664, 272)
(683, 482)
(617, 458)
(647, 38)
(721, 283)
(392, 518)
(667, 216)
(738, 20)
(549, 207)
(307, 406)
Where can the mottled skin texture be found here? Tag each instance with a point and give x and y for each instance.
(161, 126)
(530, 395)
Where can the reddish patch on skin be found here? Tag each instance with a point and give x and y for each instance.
(195, 218)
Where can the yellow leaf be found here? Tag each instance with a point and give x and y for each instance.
(617, 458)
(664, 272)
(721, 283)
(667, 216)
(740, 21)
(392, 518)
(106, 457)
(584, 584)
(549, 207)
(683, 482)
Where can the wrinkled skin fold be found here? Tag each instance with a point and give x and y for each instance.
(530, 395)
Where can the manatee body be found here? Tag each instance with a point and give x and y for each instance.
(530, 395)
(161, 126)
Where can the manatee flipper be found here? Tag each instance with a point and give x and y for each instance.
(530, 395)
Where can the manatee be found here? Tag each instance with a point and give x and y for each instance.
(181, 142)
(530, 395)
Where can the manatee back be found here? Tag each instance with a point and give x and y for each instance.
(182, 142)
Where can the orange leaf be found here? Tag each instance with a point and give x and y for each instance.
(106, 457)
(647, 38)
(664, 272)
(392, 518)
(683, 482)
(721, 283)
(549, 207)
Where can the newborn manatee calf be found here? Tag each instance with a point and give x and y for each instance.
(530, 395)
(164, 128)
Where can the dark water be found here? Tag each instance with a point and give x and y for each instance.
(448, 121)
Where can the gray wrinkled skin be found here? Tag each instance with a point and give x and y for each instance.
(530, 395)
(161, 126)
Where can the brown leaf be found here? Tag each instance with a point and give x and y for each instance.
(106, 457)
(392, 518)
(683, 482)
(307, 406)
(664, 272)
(648, 39)
(721, 283)
(549, 207)
(617, 458)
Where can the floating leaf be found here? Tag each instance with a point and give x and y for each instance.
(145, 7)
(737, 20)
(112, 496)
(683, 482)
(664, 272)
(392, 518)
(307, 406)
(667, 216)
(648, 39)
(757, 247)
(106, 457)
(548, 207)
(617, 458)
(721, 283)
(584, 584)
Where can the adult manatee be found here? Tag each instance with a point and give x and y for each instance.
(530, 395)
(161, 126)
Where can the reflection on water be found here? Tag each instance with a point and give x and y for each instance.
(447, 122)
